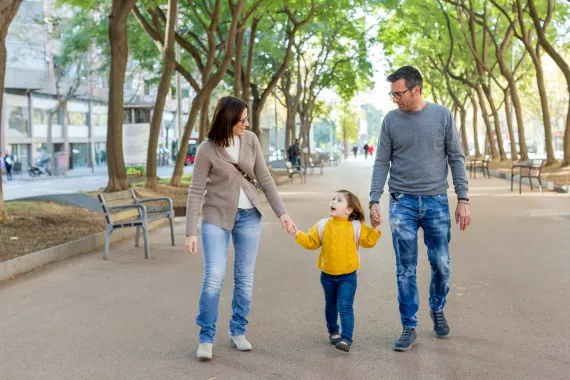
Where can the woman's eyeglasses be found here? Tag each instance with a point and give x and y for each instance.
(242, 121)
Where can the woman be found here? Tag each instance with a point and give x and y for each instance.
(8, 164)
(224, 169)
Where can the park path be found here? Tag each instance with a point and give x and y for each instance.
(131, 318)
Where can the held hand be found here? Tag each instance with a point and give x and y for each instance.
(287, 224)
(192, 244)
(463, 215)
(375, 215)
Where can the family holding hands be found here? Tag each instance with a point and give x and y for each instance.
(417, 143)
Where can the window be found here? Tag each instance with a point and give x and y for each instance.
(100, 119)
(76, 118)
(142, 116)
(128, 116)
(40, 116)
(18, 120)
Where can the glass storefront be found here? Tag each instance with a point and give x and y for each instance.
(79, 156)
(100, 154)
(21, 154)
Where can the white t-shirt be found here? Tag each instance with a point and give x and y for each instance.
(233, 151)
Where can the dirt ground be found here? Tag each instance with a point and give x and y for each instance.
(555, 173)
(40, 225)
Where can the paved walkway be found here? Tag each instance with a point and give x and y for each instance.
(76, 180)
(130, 318)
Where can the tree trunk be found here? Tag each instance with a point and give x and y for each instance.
(205, 93)
(8, 9)
(49, 143)
(497, 121)
(256, 117)
(246, 95)
(464, 143)
(238, 63)
(543, 103)
(545, 112)
(489, 131)
(514, 94)
(204, 120)
(514, 155)
(475, 131)
(119, 56)
(290, 125)
(163, 89)
(520, 123)
(562, 64)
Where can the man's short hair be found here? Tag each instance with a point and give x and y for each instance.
(410, 74)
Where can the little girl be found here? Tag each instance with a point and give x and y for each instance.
(340, 238)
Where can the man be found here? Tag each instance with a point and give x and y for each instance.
(365, 147)
(295, 153)
(417, 142)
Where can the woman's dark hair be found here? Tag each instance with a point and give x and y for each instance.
(227, 114)
(354, 203)
(410, 74)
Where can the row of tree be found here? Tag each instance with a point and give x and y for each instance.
(293, 50)
(483, 55)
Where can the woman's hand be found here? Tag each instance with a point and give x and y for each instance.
(288, 225)
(192, 244)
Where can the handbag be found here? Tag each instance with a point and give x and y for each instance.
(248, 178)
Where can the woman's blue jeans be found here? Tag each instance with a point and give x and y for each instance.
(215, 241)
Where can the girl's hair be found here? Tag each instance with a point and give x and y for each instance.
(354, 203)
(227, 114)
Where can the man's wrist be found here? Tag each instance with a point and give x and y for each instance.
(372, 203)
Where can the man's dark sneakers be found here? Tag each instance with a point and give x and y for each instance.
(405, 341)
(440, 326)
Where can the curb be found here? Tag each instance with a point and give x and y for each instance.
(546, 184)
(31, 261)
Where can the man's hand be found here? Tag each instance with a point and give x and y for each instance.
(192, 244)
(375, 215)
(288, 225)
(463, 215)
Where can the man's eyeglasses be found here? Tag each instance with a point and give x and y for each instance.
(398, 95)
(242, 121)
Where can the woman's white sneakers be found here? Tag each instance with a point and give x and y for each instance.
(205, 351)
(239, 342)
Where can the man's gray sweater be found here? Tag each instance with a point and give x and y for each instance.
(416, 148)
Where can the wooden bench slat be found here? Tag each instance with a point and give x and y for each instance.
(124, 215)
(120, 202)
(125, 194)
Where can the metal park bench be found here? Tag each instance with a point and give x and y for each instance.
(122, 210)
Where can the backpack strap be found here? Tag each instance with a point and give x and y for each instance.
(322, 224)
(356, 227)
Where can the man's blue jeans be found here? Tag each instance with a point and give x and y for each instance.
(407, 214)
(339, 299)
(215, 242)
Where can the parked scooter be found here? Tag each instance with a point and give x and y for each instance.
(42, 167)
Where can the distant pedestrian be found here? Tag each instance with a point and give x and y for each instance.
(365, 147)
(355, 150)
(8, 162)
